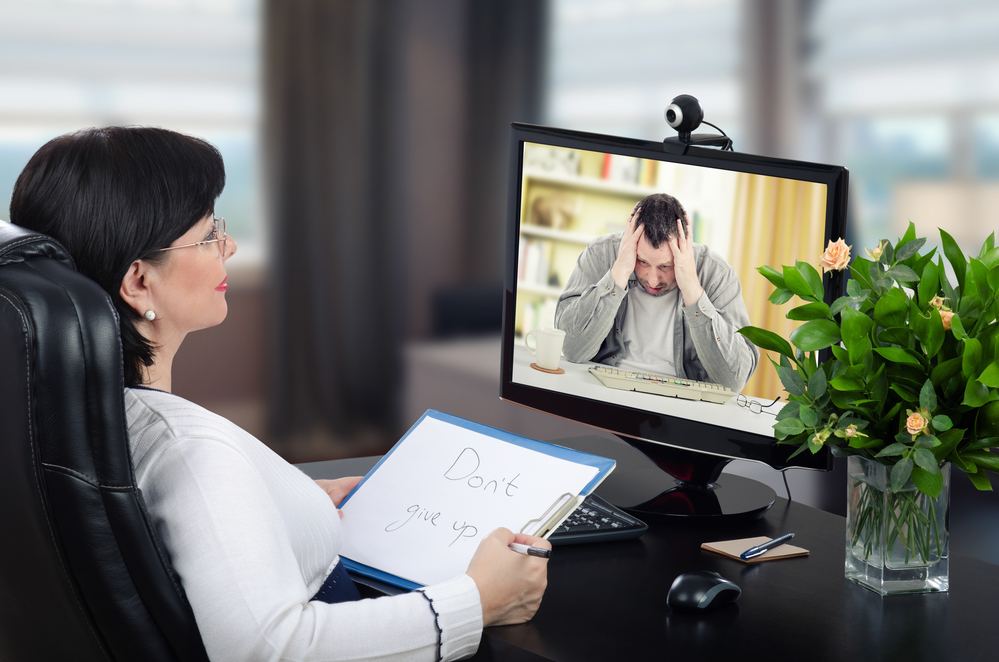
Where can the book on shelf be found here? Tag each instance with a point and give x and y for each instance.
(528, 318)
(648, 173)
(535, 261)
(537, 313)
(623, 169)
(549, 159)
(697, 228)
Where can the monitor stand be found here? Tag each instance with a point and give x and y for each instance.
(656, 482)
(699, 491)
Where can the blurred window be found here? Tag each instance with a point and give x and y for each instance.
(186, 65)
(614, 65)
(882, 151)
(986, 136)
(908, 90)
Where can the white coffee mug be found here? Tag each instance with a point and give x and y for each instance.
(548, 348)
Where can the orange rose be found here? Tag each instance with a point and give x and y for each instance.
(945, 316)
(836, 257)
(915, 423)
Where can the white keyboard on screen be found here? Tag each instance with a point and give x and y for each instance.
(676, 387)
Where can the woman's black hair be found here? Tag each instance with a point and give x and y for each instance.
(114, 195)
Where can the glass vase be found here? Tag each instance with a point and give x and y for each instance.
(896, 542)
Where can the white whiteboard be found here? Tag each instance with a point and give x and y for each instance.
(421, 513)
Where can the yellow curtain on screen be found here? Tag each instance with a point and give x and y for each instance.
(776, 222)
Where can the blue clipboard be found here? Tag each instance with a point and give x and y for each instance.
(549, 517)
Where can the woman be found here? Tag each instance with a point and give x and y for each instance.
(254, 540)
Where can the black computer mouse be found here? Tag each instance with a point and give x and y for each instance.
(701, 591)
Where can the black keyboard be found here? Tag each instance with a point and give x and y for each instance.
(595, 520)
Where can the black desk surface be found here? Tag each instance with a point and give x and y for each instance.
(606, 601)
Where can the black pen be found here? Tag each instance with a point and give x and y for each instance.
(753, 552)
(530, 551)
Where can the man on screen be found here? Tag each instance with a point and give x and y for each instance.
(650, 300)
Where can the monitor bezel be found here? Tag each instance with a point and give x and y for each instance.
(627, 422)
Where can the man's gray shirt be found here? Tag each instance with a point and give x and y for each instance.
(706, 347)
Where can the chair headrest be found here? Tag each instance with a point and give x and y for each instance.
(18, 244)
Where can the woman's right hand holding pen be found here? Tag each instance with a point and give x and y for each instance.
(510, 584)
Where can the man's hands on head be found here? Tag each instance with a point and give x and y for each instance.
(627, 253)
(684, 269)
(510, 584)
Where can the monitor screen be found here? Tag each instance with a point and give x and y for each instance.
(571, 198)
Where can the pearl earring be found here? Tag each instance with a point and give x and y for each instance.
(150, 315)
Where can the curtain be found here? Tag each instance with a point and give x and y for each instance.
(354, 212)
(331, 120)
(777, 222)
(505, 52)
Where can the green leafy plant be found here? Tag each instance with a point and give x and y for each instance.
(914, 368)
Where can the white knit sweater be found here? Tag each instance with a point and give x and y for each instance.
(253, 539)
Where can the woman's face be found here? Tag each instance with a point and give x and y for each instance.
(191, 282)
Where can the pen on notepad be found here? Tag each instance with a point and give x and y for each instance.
(753, 552)
(531, 551)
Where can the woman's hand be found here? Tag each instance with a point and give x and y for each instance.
(510, 584)
(339, 488)
(627, 253)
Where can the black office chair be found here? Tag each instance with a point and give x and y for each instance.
(83, 575)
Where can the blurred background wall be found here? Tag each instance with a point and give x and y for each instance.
(366, 143)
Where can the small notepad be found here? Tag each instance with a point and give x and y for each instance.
(732, 549)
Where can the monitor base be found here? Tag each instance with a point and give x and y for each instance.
(655, 482)
(730, 499)
(700, 491)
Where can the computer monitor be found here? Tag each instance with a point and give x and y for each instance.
(567, 189)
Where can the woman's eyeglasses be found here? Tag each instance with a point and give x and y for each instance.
(218, 236)
(755, 406)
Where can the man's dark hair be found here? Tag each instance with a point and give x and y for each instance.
(659, 214)
(114, 195)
